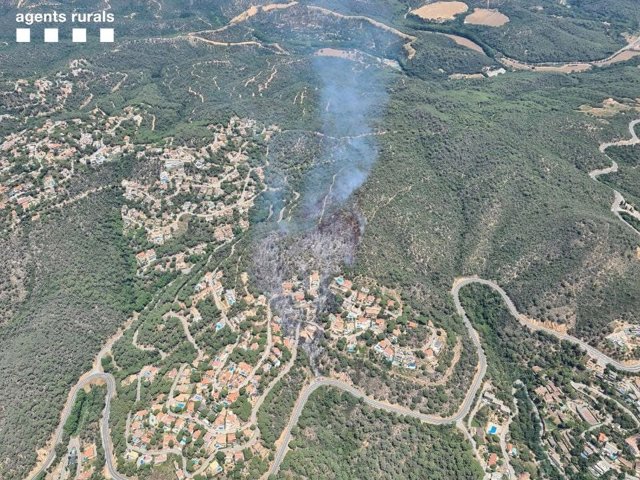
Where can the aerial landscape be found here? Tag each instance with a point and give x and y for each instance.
(319, 239)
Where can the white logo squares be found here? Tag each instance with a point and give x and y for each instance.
(23, 35)
(50, 35)
(106, 35)
(79, 35)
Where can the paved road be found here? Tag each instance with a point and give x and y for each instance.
(462, 412)
(104, 428)
(330, 382)
(96, 375)
(634, 140)
(473, 389)
(93, 378)
(575, 66)
(593, 352)
(582, 387)
(618, 201)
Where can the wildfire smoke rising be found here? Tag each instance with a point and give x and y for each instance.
(350, 97)
(323, 233)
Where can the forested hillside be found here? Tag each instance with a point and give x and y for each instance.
(338, 437)
(355, 134)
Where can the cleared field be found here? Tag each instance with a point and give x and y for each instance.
(465, 42)
(486, 17)
(441, 11)
(609, 108)
(620, 57)
(562, 68)
(574, 67)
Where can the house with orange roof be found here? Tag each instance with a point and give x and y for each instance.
(86, 475)
(233, 396)
(219, 422)
(183, 398)
(388, 354)
(314, 283)
(380, 325)
(225, 377)
(372, 311)
(180, 423)
(385, 349)
(141, 414)
(428, 353)
(244, 369)
(136, 425)
(141, 259)
(26, 201)
(231, 421)
(363, 323)
(221, 441)
(342, 284)
(89, 452)
(337, 324)
(165, 418)
(251, 389)
(217, 362)
(209, 436)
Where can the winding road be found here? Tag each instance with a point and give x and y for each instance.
(96, 375)
(596, 354)
(467, 404)
(90, 379)
(629, 51)
(618, 200)
(459, 283)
